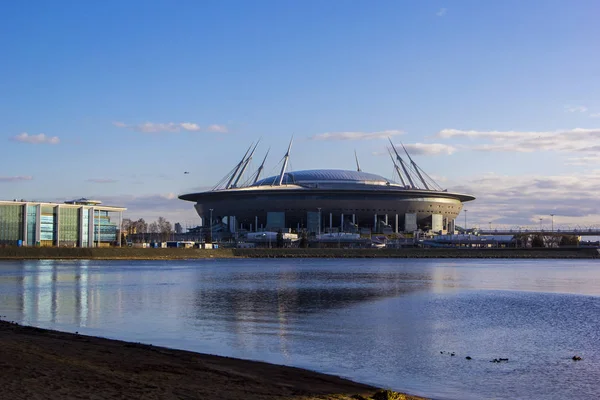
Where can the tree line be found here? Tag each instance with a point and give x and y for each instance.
(161, 229)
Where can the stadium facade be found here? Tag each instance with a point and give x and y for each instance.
(329, 200)
(77, 223)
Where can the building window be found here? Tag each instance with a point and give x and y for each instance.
(11, 223)
(68, 223)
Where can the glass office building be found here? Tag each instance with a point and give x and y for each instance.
(77, 223)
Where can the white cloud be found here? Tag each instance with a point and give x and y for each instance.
(513, 201)
(152, 127)
(101, 180)
(356, 135)
(451, 133)
(15, 178)
(595, 115)
(441, 12)
(573, 140)
(217, 128)
(584, 160)
(574, 109)
(152, 206)
(189, 126)
(429, 148)
(35, 139)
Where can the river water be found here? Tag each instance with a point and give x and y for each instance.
(380, 321)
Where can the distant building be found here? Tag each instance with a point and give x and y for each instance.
(466, 240)
(76, 223)
(328, 201)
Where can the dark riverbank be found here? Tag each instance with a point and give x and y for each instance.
(44, 364)
(37, 253)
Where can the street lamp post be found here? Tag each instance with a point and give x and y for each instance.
(490, 225)
(540, 224)
(466, 221)
(211, 238)
(319, 229)
(98, 227)
(552, 215)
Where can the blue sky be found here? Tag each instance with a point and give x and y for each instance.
(494, 98)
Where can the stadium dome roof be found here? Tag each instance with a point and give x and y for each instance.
(326, 176)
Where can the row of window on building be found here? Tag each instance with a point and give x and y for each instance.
(43, 224)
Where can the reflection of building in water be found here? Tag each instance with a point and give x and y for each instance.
(54, 295)
(82, 293)
(252, 304)
(77, 223)
(58, 292)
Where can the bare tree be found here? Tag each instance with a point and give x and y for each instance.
(141, 226)
(165, 228)
(153, 229)
(126, 225)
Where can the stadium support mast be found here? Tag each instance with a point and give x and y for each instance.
(416, 168)
(285, 163)
(412, 184)
(357, 164)
(262, 165)
(237, 168)
(397, 168)
(245, 165)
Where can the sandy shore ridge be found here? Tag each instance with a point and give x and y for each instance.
(45, 364)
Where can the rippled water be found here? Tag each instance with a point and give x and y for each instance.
(383, 322)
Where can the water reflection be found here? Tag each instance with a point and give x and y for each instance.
(64, 292)
(259, 294)
(47, 291)
(554, 276)
(379, 321)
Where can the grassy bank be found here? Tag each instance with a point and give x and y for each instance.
(419, 253)
(44, 364)
(110, 253)
(130, 253)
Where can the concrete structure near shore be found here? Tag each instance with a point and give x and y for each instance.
(76, 223)
(327, 201)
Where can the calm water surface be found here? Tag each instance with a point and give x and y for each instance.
(382, 322)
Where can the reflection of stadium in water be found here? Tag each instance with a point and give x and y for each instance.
(328, 200)
(251, 304)
(250, 296)
(240, 304)
(366, 319)
(80, 292)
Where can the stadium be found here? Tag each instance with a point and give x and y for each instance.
(325, 201)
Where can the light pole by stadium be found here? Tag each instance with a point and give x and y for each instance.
(211, 238)
(319, 230)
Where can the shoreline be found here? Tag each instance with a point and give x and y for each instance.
(42, 363)
(128, 253)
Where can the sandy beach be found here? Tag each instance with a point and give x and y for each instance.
(44, 364)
